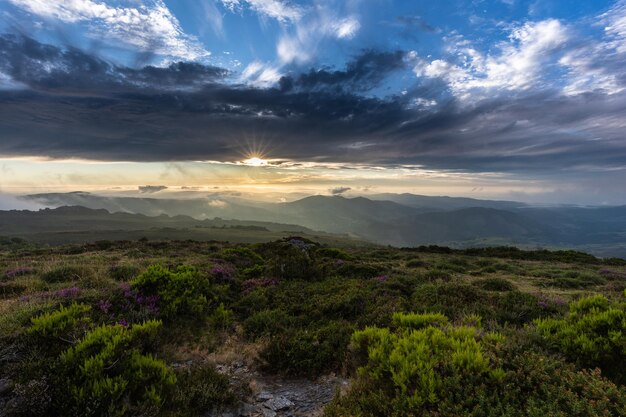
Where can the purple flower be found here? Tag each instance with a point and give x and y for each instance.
(251, 284)
(16, 272)
(546, 302)
(123, 322)
(104, 306)
(381, 278)
(340, 262)
(67, 292)
(222, 273)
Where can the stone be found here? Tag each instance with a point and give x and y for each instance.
(278, 404)
(5, 385)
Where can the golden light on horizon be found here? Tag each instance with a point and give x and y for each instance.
(255, 162)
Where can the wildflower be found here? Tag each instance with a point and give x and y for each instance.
(104, 306)
(16, 272)
(381, 278)
(67, 292)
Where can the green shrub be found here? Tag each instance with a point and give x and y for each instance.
(11, 289)
(291, 260)
(308, 352)
(575, 281)
(242, 257)
(412, 365)
(199, 389)
(254, 271)
(221, 317)
(61, 322)
(63, 274)
(592, 334)
(416, 263)
(266, 322)
(494, 284)
(334, 254)
(108, 373)
(438, 370)
(183, 291)
(124, 272)
(437, 275)
(456, 300)
(418, 321)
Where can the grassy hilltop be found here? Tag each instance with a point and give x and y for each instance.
(186, 328)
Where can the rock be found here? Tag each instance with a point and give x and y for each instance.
(278, 404)
(269, 413)
(264, 396)
(5, 385)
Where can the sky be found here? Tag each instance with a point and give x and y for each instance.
(508, 99)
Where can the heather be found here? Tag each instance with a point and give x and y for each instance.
(173, 328)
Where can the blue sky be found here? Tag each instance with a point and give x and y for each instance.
(502, 98)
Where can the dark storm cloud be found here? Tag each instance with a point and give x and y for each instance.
(364, 73)
(151, 189)
(76, 105)
(339, 190)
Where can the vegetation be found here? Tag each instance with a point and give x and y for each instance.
(152, 328)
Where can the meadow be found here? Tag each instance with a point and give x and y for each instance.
(153, 328)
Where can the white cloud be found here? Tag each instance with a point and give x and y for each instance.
(518, 65)
(146, 25)
(259, 74)
(615, 26)
(275, 9)
(347, 28)
(217, 203)
(598, 65)
(301, 43)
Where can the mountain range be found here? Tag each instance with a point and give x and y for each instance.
(394, 219)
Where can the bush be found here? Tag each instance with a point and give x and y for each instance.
(334, 254)
(108, 373)
(410, 367)
(183, 291)
(308, 352)
(291, 259)
(456, 300)
(242, 257)
(124, 272)
(266, 322)
(438, 370)
(592, 334)
(494, 284)
(199, 389)
(416, 263)
(61, 322)
(62, 274)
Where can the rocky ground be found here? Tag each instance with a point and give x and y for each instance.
(272, 396)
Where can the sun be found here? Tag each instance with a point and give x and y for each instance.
(255, 162)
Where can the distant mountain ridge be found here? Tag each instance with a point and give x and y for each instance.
(398, 219)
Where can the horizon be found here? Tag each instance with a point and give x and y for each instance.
(505, 99)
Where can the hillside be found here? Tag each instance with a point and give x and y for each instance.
(399, 219)
(76, 224)
(282, 328)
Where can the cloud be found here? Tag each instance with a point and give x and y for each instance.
(321, 116)
(146, 25)
(13, 202)
(39, 66)
(276, 9)
(151, 189)
(518, 65)
(217, 203)
(364, 72)
(339, 190)
(260, 74)
(347, 28)
(299, 43)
